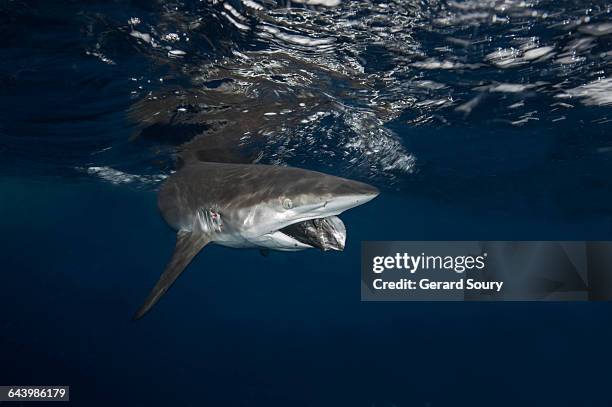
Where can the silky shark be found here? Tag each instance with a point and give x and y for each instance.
(252, 205)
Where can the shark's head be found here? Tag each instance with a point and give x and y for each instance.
(290, 196)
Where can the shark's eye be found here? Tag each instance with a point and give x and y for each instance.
(287, 204)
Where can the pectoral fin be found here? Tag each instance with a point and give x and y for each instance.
(188, 244)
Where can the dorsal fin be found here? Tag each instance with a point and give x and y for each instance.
(188, 244)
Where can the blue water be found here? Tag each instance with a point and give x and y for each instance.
(477, 120)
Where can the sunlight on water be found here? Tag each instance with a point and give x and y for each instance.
(328, 84)
(329, 77)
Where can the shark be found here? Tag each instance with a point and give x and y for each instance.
(252, 206)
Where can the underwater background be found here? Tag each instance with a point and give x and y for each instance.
(477, 120)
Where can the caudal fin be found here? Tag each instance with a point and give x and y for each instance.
(188, 244)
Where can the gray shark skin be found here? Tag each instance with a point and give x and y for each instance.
(248, 205)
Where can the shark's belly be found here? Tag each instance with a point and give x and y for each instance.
(273, 241)
(233, 241)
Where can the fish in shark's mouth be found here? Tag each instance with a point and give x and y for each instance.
(323, 233)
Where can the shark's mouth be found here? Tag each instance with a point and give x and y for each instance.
(324, 233)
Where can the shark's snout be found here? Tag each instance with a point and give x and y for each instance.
(367, 190)
(351, 194)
